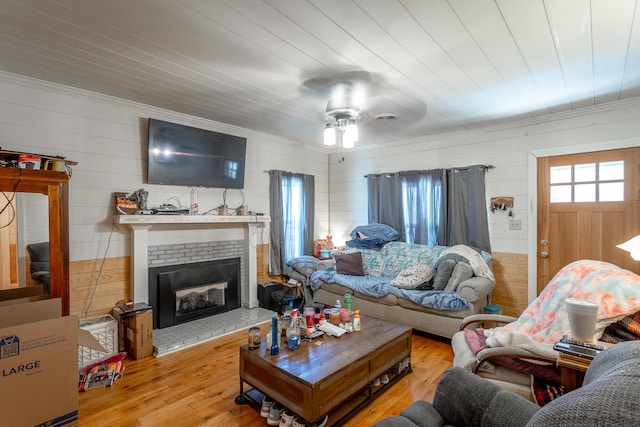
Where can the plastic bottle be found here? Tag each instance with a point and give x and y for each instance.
(293, 333)
(338, 305)
(274, 334)
(357, 326)
(347, 300)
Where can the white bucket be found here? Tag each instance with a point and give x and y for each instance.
(582, 318)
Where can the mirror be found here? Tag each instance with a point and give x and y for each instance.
(24, 219)
(33, 221)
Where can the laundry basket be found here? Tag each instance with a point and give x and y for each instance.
(105, 330)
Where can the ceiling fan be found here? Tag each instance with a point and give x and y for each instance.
(355, 101)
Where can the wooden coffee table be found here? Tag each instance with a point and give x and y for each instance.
(328, 375)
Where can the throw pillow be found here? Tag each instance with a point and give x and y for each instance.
(454, 256)
(350, 264)
(412, 277)
(444, 269)
(305, 264)
(461, 272)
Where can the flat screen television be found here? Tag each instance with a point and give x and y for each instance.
(184, 155)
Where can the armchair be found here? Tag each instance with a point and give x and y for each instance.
(39, 264)
(609, 396)
(484, 363)
(530, 337)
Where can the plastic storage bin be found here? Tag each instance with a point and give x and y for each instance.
(491, 309)
(105, 330)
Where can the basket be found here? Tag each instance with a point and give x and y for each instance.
(105, 330)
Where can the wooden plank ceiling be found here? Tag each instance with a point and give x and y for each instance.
(268, 65)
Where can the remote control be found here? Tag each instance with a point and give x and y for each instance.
(316, 334)
(576, 350)
(582, 344)
(331, 329)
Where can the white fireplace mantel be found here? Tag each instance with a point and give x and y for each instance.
(141, 225)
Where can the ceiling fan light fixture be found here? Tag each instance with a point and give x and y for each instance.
(343, 108)
(348, 141)
(329, 134)
(350, 136)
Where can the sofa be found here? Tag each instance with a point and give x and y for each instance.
(609, 396)
(429, 288)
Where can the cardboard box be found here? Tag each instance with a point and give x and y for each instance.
(22, 292)
(28, 161)
(139, 335)
(121, 312)
(39, 364)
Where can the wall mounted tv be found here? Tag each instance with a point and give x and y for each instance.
(183, 155)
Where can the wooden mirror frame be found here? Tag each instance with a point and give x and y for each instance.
(54, 185)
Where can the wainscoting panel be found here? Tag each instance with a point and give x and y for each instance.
(113, 285)
(262, 252)
(89, 299)
(94, 293)
(511, 271)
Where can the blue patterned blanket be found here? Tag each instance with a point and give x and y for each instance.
(380, 286)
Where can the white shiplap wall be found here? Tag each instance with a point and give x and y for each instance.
(512, 148)
(108, 137)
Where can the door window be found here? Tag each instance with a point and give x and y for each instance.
(587, 182)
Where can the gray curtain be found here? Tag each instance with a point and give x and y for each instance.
(432, 207)
(276, 240)
(467, 215)
(280, 243)
(385, 201)
(309, 190)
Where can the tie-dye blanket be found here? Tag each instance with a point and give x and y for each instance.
(616, 290)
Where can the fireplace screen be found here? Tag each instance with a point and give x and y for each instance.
(181, 293)
(199, 297)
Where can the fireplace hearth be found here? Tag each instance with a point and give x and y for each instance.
(185, 292)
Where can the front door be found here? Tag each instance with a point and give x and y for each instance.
(587, 204)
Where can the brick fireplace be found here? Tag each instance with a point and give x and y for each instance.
(160, 240)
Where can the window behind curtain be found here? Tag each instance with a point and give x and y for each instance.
(293, 208)
(422, 208)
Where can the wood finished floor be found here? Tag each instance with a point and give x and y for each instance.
(197, 387)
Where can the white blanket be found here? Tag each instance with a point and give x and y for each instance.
(498, 338)
(478, 264)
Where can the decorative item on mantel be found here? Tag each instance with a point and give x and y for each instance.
(34, 161)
